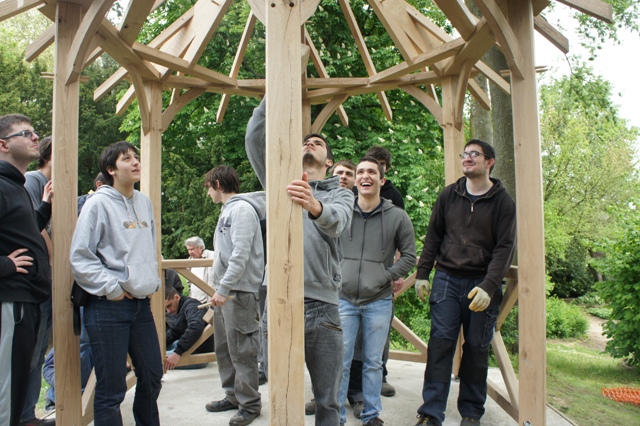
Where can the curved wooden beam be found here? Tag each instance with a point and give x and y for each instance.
(84, 36)
(429, 102)
(326, 112)
(143, 101)
(461, 91)
(176, 106)
(503, 33)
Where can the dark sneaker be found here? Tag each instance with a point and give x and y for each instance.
(222, 405)
(376, 421)
(262, 378)
(310, 408)
(358, 406)
(387, 389)
(468, 421)
(243, 417)
(39, 422)
(425, 420)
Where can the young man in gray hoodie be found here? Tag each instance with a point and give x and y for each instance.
(378, 229)
(113, 257)
(238, 268)
(327, 213)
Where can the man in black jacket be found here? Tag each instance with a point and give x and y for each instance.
(25, 273)
(471, 240)
(185, 328)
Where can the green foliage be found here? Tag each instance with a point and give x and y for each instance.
(604, 313)
(564, 320)
(570, 274)
(589, 300)
(621, 291)
(415, 315)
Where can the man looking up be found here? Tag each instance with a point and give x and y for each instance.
(25, 272)
(327, 213)
(378, 230)
(470, 239)
(238, 269)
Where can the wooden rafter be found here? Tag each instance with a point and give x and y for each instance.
(134, 18)
(11, 8)
(549, 32)
(459, 15)
(596, 8)
(41, 43)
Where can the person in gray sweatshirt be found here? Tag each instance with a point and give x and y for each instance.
(327, 213)
(113, 258)
(238, 268)
(378, 229)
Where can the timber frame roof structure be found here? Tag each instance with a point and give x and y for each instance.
(431, 58)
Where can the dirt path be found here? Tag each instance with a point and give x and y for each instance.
(595, 339)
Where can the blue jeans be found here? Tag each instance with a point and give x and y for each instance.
(39, 352)
(450, 310)
(374, 320)
(115, 329)
(323, 351)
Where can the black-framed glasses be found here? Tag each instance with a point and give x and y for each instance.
(472, 154)
(23, 133)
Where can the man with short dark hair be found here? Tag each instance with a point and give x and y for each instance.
(388, 190)
(327, 213)
(238, 269)
(113, 258)
(25, 271)
(346, 170)
(378, 230)
(470, 242)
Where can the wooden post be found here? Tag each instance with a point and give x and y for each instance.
(453, 137)
(66, 99)
(285, 272)
(531, 290)
(151, 161)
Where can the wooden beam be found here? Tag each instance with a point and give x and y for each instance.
(176, 106)
(66, 110)
(126, 100)
(503, 34)
(596, 8)
(82, 40)
(364, 53)
(494, 77)
(531, 267)
(549, 32)
(326, 112)
(40, 44)
(459, 16)
(428, 101)
(207, 17)
(285, 249)
(111, 82)
(87, 398)
(407, 356)
(11, 8)
(428, 24)
(134, 18)
(460, 93)
(506, 368)
(237, 62)
(395, 29)
(475, 47)
(170, 61)
(322, 71)
(501, 398)
(453, 137)
(479, 94)
(143, 102)
(410, 336)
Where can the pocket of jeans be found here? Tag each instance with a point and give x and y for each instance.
(439, 287)
(331, 322)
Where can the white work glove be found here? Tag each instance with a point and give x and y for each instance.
(480, 300)
(422, 289)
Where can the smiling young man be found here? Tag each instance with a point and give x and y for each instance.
(113, 257)
(25, 272)
(470, 242)
(378, 230)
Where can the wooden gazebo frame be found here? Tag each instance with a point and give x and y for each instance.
(431, 58)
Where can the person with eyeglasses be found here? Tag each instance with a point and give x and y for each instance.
(470, 242)
(113, 258)
(25, 272)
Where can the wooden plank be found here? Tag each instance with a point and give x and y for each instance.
(495, 392)
(87, 398)
(503, 34)
(596, 8)
(459, 16)
(11, 8)
(40, 44)
(178, 64)
(428, 24)
(257, 8)
(494, 77)
(509, 299)
(237, 62)
(126, 100)
(453, 137)
(186, 263)
(429, 102)
(111, 82)
(409, 335)
(548, 31)
(150, 184)
(194, 279)
(479, 94)
(322, 72)
(176, 106)
(198, 359)
(82, 40)
(364, 53)
(395, 29)
(66, 110)
(407, 356)
(326, 112)
(207, 17)
(531, 307)
(506, 368)
(134, 18)
(476, 46)
(285, 248)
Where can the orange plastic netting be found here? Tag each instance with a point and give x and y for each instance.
(630, 395)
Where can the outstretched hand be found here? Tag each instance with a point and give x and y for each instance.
(481, 299)
(301, 193)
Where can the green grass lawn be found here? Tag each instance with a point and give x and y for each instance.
(575, 376)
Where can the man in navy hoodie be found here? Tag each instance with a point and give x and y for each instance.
(25, 273)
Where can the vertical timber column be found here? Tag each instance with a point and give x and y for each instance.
(285, 245)
(531, 268)
(66, 100)
(150, 184)
(453, 137)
